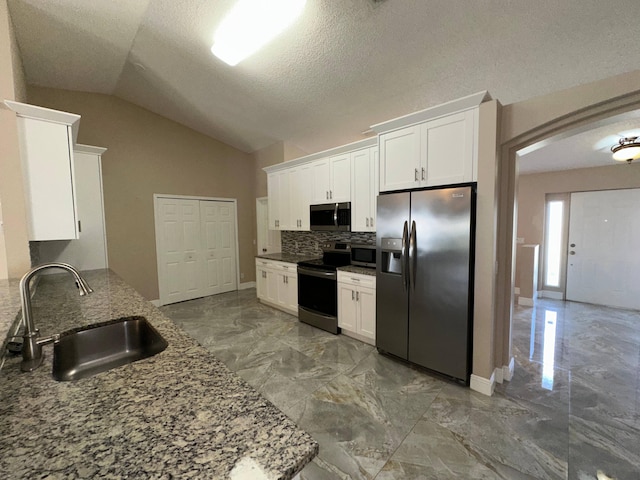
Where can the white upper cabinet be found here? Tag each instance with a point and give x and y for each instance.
(300, 188)
(400, 162)
(437, 146)
(364, 189)
(46, 139)
(332, 179)
(448, 149)
(340, 178)
(321, 181)
(438, 152)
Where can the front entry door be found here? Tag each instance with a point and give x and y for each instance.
(603, 265)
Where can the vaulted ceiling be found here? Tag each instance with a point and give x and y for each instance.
(343, 66)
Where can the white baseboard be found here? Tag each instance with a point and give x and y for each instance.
(527, 302)
(155, 302)
(497, 374)
(486, 386)
(507, 370)
(247, 285)
(551, 294)
(516, 290)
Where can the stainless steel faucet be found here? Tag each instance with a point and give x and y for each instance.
(32, 345)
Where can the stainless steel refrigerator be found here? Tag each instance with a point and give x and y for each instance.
(424, 278)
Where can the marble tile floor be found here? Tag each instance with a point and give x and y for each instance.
(572, 408)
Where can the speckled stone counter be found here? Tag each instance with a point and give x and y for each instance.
(287, 257)
(360, 270)
(178, 414)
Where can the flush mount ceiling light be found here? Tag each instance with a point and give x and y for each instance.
(628, 149)
(250, 25)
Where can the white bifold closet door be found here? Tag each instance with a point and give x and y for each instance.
(196, 248)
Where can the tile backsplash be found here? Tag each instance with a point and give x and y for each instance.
(309, 243)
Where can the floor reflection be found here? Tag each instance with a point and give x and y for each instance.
(549, 348)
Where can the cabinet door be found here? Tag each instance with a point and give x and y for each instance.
(400, 165)
(301, 186)
(272, 286)
(361, 191)
(448, 145)
(375, 189)
(340, 178)
(292, 285)
(321, 181)
(367, 312)
(274, 200)
(284, 201)
(347, 313)
(261, 282)
(48, 172)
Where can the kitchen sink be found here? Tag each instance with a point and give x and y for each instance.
(82, 353)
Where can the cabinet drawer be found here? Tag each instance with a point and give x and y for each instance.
(291, 268)
(357, 279)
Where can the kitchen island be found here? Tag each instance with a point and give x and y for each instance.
(178, 414)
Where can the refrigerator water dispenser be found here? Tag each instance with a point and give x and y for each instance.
(391, 249)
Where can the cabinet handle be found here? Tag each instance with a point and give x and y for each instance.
(367, 221)
(353, 295)
(327, 192)
(423, 173)
(355, 279)
(371, 222)
(79, 227)
(415, 175)
(357, 296)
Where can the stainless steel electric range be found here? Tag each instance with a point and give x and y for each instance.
(318, 287)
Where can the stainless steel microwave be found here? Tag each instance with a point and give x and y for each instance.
(363, 255)
(330, 217)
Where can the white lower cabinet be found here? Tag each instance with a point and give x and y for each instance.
(357, 305)
(277, 284)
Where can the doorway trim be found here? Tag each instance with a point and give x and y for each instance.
(156, 219)
(599, 113)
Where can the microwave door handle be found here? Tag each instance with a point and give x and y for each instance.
(335, 216)
(403, 258)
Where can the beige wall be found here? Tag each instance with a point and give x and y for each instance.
(277, 153)
(150, 154)
(266, 157)
(533, 188)
(14, 246)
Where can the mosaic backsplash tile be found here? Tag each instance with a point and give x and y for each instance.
(309, 243)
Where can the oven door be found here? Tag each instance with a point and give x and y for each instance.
(318, 298)
(318, 291)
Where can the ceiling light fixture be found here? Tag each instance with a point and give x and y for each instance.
(627, 149)
(250, 25)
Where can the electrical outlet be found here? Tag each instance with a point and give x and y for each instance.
(242, 276)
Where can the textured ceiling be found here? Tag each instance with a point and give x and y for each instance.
(343, 66)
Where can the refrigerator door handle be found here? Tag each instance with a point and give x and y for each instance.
(412, 255)
(403, 258)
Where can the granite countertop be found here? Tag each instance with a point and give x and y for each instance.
(9, 306)
(357, 269)
(178, 414)
(288, 257)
